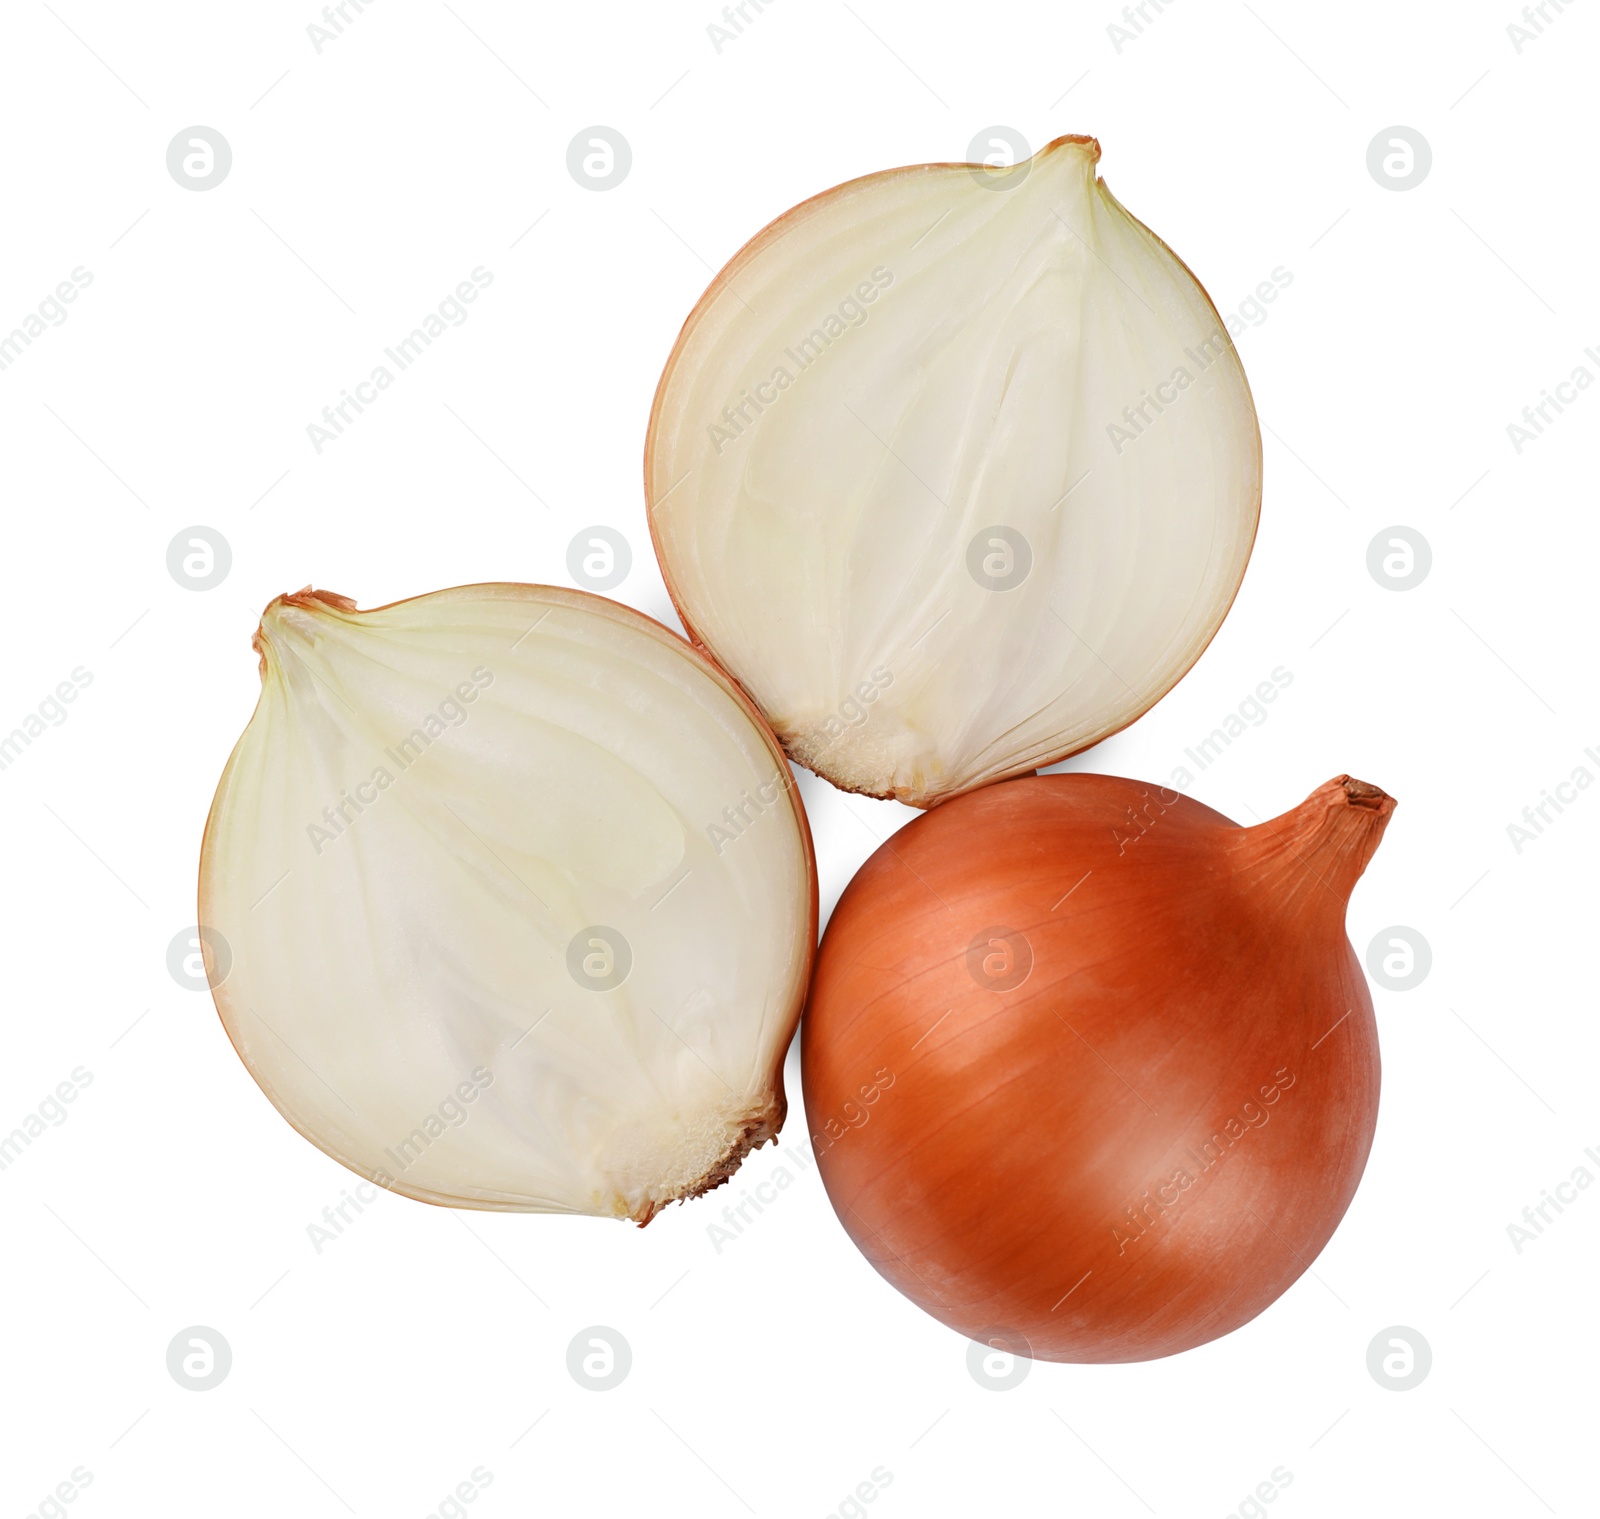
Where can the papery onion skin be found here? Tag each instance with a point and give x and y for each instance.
(1132, 1065)
(402, 990)
(822, 513)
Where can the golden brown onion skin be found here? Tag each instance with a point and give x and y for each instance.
(1144, 1141)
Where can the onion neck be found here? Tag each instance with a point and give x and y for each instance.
(1322, 846)
(307, 600)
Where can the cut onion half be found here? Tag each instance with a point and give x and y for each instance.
(956, 470)
(519, 900)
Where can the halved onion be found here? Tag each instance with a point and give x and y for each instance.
(519, 896)
(956, 470)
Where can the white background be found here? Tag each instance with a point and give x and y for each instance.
(773, 1376)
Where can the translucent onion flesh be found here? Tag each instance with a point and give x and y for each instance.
(956, 470)
(519, 897)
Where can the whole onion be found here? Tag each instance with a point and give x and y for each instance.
(1092, 1071)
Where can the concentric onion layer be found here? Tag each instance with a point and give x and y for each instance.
(956, 470)
(519, 898)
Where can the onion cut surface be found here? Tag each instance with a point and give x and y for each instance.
(956, 470)
(1093, 1072)
(519, 897)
